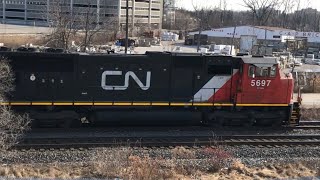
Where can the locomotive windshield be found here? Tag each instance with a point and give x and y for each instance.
(261, 67)
(262, 71)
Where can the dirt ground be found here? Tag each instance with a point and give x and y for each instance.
(310, 100)
(23, 29)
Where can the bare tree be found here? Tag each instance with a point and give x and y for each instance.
(12, 125)
(92, 22)
(184, 21)
(63, 20)
(298, 16)
(88, 25)
(262, 9)
(288, 6)
(223, 9)
(202, 14)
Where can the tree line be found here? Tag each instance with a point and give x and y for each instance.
(289, 14)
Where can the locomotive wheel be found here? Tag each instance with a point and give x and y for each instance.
(34, 124)
(66, 123)
(276, 123)
(75, 123)
(92, 119)
(205, 119)
(69, 123)
(47, 123)
(249, 123)
(219, 121)
(265, 122)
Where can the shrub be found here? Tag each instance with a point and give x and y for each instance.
(217, 158)
(12, 125)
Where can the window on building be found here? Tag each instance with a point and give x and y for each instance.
(145, 9)
(139, 16)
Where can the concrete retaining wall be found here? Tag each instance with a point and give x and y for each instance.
(309, 81)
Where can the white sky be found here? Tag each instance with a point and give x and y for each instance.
(235, 4)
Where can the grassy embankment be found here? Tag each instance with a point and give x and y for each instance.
(181, 163)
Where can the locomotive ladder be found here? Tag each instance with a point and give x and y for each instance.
(296, 110)
(296, 114)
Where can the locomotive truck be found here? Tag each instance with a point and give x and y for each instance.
(63, 89)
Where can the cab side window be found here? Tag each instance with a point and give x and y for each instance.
(273, 71)
(251, 71)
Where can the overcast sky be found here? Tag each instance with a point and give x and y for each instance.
(236, 4)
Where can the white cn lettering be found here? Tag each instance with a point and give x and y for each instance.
(126, 80)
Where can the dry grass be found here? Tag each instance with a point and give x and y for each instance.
(122, 163)
(289, 171)
(17, 40)
(183, 153)
(147, 168)
(217, 158)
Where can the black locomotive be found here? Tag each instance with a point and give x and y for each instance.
(59, 88)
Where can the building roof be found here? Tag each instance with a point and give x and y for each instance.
(272, 28)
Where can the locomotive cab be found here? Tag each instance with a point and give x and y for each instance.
(263, 83)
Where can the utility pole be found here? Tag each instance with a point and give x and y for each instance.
(234, 33)
(127, 26)
(265, 41)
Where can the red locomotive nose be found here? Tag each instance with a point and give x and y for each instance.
(264, 83)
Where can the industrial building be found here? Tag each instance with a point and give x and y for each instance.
(245, 37)
(34, 12)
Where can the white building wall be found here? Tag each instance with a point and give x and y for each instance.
(260, 33)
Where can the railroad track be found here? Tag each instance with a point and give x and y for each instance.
(315, 124)
(307, 125)
(160, 139)
(310, 123)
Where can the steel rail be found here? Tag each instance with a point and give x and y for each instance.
(309, 123)
(257, 140)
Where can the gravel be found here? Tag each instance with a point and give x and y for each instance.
(249, 155)
(304, 131)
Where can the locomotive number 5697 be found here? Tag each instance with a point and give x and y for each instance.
(260, 83)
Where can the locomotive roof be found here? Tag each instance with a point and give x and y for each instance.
(260, 60)
(246, 60)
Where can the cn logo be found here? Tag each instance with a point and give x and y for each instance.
(128, 74)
